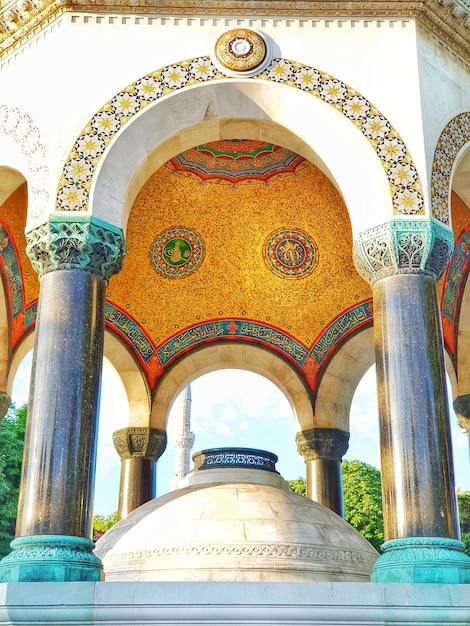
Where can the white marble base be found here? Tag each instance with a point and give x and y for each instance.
(308, 604)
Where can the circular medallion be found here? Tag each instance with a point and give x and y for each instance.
(290, 253)
(177, 252)
(241, 51)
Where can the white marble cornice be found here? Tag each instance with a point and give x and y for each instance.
(449, 20)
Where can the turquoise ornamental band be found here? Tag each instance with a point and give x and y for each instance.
(422, 560)
(51, 558)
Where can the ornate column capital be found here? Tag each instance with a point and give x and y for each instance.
(324, 444)
(403, 247)
(134, 442)
(462, 411)
(76, 242)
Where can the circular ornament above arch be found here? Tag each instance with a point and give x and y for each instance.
(290, 253)
(241, 51)
(177, 252)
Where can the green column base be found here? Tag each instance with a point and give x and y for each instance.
(422, 560)
(51, 558)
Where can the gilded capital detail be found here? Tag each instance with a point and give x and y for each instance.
(134, 442)
(76, 243)
(403, 247)
(324, 444)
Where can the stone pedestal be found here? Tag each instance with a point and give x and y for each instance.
(402, 261)
(323, 450)
(74, 260)
(139, 449)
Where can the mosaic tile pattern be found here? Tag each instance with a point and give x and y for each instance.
(130, 331)
(290, 253)
(81, 164)
(348, 321)
(21, 128)
(237, 161)
(233, 328)
(454, 136)
(177, 252)
(456, 277)
(9, 259)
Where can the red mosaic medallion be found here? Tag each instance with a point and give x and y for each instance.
(177, 252)
(290, 253)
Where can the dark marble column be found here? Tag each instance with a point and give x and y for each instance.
(323, 450)
(74, 260)
(402, 260)
(139, 449)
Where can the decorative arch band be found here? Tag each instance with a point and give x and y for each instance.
(452, 139)
(83, 159)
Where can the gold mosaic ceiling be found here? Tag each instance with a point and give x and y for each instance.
(232, 215)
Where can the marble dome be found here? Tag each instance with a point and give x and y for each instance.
(234, 519)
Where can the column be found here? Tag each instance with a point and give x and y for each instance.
(74, 256)
(139, 449)
(402, 260)
(323, 450)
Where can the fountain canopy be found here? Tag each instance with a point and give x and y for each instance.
(234, 519)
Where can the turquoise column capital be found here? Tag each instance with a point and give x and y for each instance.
(76, 242)
(401, 246)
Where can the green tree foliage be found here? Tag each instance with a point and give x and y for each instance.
(12, 431)
(298, 486)
(362, 499)
(103, 523)
(362, 490)
(463, 500)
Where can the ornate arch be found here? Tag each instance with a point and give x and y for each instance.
(89, 148)
(21, 128)
(451, 140)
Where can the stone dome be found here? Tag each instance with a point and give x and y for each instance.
(234, 520)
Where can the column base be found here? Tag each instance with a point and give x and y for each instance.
(51, 558)
(422, 560)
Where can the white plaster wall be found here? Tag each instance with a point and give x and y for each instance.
(75, 65)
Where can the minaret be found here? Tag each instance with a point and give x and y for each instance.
(183, 441)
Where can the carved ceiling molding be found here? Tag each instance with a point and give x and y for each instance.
(449, 20)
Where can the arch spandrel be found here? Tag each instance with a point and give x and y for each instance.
(133, 379)
(341, 377)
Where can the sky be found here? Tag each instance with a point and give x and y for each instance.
(236, 408)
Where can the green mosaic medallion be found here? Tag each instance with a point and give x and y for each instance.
(177, 252)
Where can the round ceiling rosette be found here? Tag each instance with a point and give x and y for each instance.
(290, 253)
(177, 252)
(242, 51)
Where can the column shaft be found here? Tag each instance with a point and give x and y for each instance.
(323, 449)
(60, 449)
(417, 469)
(137, 484)
(324, 484)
